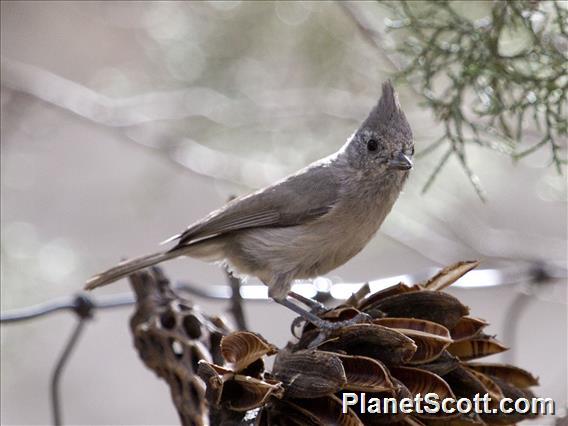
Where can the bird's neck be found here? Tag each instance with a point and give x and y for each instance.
(377, 191)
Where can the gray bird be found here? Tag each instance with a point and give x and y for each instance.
(309, 223)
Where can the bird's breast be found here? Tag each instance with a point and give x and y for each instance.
(316, 247)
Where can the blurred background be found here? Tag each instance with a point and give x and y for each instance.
(123, 122)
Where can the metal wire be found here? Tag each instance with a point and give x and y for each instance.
(100, 303)
(224, 292)
(60, 366)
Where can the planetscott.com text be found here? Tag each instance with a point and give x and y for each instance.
(431, 403)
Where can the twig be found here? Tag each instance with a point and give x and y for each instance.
(435, 172)
(236, 308)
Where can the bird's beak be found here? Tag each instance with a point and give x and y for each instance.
(400, 162)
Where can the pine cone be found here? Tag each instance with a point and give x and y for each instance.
(419, 340)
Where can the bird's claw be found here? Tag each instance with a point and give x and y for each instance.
(295, 324)
(328, 327)
(361, 317)
(316, 308)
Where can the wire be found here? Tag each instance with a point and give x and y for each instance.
(60, 366)
(337, 291)
(100, 303)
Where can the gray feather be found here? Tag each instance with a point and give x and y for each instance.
(282, 204)
(128, 267)
(386, 111)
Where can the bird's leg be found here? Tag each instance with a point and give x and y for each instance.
(315, 306)
(304, 313)
(279, 291)
(325, 327)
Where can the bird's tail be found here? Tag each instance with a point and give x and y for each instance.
(128, 267)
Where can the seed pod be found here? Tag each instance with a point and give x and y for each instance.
(356, 298)
(242, 348)
(256, 369)
(414, 324)
(365, 374)
(445, 363)
(399, 392)
(430, 338)
(467, 328)
(309, 373)
(375, 341)
(464, 383)
(281, 413)
(246, 393)
(399, 288)
(509, 373)
(449, 275)
(514, 393)
(236, 391)
(493, 390)
(476, 348)
(419, 381)
(214, 377)
(434, 306)
(324, 411)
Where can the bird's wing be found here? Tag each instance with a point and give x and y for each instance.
(298, 199)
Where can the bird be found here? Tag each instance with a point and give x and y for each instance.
(306, 224)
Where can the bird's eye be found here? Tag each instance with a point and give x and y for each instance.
(412, 150)
(372, 145)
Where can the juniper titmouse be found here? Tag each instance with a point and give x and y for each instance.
(308, 223)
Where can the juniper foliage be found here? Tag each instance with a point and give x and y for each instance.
(498, 81)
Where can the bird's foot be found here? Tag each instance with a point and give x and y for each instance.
(361, 317)
(316, 309)
(328, 327)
